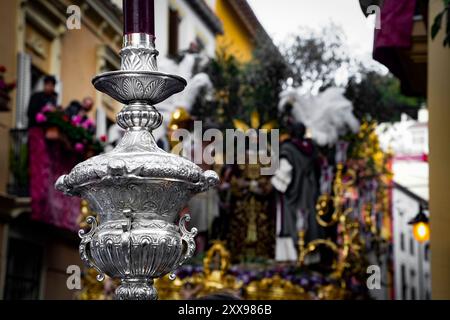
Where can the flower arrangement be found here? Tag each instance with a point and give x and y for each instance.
(312, 282)
(79, 132)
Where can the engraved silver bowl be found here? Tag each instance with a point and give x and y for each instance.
(149, 86)
(138, 191)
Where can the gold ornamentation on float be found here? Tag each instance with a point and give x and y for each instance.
(213, 279)
(275, 288)
(339, 189)
(348, 251)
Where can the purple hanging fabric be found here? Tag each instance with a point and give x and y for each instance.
(396, 24)
(48, 160)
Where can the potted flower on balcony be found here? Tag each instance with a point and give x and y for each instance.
(5, 89)
(77, 136)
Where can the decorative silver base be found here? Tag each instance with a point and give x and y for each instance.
(137, 189)
(136, 289)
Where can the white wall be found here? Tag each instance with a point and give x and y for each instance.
(190, 27)
(406, 137)
(412, 174)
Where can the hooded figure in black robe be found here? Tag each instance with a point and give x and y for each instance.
(40, 99)
(298, 200)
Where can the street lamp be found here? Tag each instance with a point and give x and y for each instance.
(421, 232)
(421, 226)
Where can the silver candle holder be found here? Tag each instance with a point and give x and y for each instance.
(137, 189)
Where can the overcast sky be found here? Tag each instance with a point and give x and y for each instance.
(283, 17)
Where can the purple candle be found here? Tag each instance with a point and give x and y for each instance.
(139, 16)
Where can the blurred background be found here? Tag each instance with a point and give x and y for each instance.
(358, 208)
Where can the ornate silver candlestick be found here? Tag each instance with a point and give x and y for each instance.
(137, 189)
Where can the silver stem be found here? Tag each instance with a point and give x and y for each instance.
(139, 39)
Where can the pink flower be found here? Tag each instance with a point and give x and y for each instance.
(47, 108)
(79, 147)
(87, 124)
(76, 120)
(40, 117)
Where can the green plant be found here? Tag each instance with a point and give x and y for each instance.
(437, 24)
(19, 165)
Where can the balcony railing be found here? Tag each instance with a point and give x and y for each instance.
(18, 184)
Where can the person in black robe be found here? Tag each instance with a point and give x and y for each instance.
(303, 190)
(81, 110)
(73, 109)
(298, 194)
(40, 99)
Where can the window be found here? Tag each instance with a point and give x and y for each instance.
(412, 275)
(427, 252)
(174, 22)
(23, 272)
(411, 246)
(427, 292)
(403, 281)
(402, 241)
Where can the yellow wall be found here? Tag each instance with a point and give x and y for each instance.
(439, 108)
(236, 39)
(79, 61)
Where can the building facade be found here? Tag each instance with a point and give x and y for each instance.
(411, 259)
(408, 139)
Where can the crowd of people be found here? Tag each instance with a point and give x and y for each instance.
(46, 100)
(53, 151)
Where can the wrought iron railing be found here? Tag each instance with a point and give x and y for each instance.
(18, 183)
